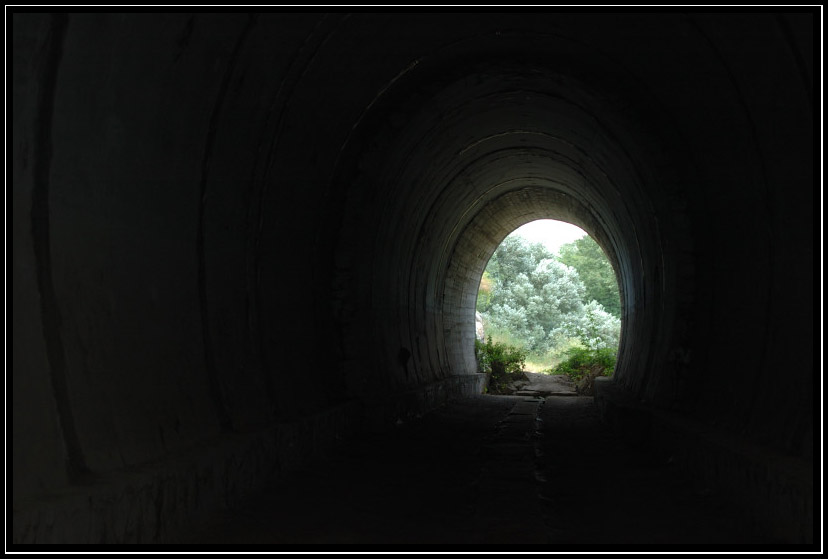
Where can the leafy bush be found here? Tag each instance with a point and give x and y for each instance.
(503, 361)
(580, 361)
(596, 328)
(499, 357)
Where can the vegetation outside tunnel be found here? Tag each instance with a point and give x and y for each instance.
(557, 309)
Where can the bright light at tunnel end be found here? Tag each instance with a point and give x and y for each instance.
(551, 233)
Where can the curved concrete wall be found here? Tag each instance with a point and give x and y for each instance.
(228, 222)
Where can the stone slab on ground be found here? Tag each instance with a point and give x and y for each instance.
(546, 385)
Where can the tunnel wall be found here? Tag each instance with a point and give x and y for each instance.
(235, 225)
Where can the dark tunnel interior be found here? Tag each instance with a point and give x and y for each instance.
(228, 228)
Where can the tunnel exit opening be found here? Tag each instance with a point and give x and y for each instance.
(548, 334)
(547, 303)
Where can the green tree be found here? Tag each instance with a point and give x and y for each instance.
(515, 256)
(595, 328)
(531, 296)
(595, 272)
(532, 299)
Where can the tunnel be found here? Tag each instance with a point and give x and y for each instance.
(242, 239)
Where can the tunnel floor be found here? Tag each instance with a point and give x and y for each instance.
(486, 470)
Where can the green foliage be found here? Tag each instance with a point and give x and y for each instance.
(513, 257)
(505, 362)
(499, 357)
(560, 351)
(531, 299)
(595, 351)
(596, 328)
(532, 305)
(535, 298)
(581, 360)
(595, 271)
(484, 292)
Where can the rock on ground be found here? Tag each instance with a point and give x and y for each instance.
(544, 384)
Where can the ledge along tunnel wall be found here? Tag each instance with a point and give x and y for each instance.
(239, 239)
